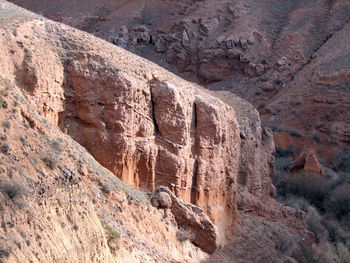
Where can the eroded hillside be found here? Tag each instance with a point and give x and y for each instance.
(290, 59)
(148, 127)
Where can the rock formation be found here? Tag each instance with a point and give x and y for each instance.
(290, 59)
(256, 166)
(148, 127)
(190, 218)
(307, 162)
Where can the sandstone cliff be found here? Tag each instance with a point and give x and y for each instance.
(145, 125)
(288, 58)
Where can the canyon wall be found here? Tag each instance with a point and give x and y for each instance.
(289, 59)
(149, 128)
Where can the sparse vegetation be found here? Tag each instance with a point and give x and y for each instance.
(312, 187)
(112, 236)
(5, 148)
(54, 144)
(12, 189)
(326, 201)
(112, 183)
(52, 154)
(3, 93)
(106, 189)
(4, 253)
(343, 253)
(294, 133)
(49, 162)
(284, 241)
(283, 153)
(342, 162)
(309, 254)
(338, 201)
(3, 103)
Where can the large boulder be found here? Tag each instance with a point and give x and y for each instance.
(190, 218)
(307, 162)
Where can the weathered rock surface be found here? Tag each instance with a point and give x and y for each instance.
(146, 129)
(150, 128)
(256, 165)
(58, 204)
(162, 199)
(190, 218)
(290, 59)
(307, 162)
(151, 132)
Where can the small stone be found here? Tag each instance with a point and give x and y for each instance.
(7, 124)
(283, 64)
(244, 59)
(5, 148)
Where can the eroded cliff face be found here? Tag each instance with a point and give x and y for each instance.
(289, 59)
(256, 165)
(58, 204)
(149, 128)
(150, 132)
(146, 126)
(43, 200)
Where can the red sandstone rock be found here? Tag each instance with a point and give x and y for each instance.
(307, 162)
(150, 128)
(164, 199)
(268, 53)
(193, 219)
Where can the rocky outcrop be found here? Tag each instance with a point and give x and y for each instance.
(189, 218)
(190, 46)
(152, 133)
(58, 204)
(289, 60)
(256, 162)
(150, 128)
(306, 162)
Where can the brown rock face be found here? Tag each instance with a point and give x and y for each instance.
(290, 59)
(192, 219)
(58, 204)
(307, 162)
(147, 128)
(256, 165)
(150, 128)
(152, 133)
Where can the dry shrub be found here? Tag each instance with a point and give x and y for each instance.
(12, 189)
(312, 187)
(309, 254)
(338, 201)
